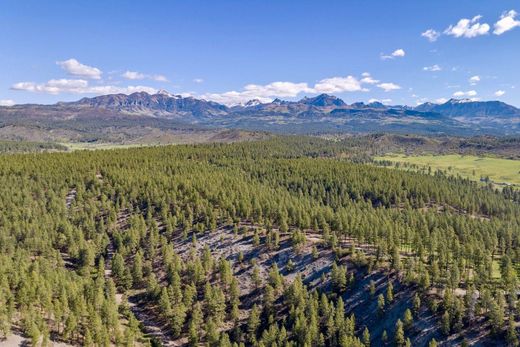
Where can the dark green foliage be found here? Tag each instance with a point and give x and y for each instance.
(127, 207)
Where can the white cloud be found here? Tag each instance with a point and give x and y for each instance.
(468, 28)
(75, 68)
(265, 93)
(431, 35)
(506, 22)
(54, 86)
(499, 93)
(134, 75)
(338, 85)
(432, 68)
(284, 89)
(159, 78)
(77, 86)
(198, 80)
(367, 78)
(474, 80)
(398, 53)
(388, 86)
(441, 100)
(6, 102)
(233, 97)
(469, 93)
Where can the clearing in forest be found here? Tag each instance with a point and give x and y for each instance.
(499, 171)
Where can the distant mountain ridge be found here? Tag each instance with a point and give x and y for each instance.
(468, 108)
(318, 114)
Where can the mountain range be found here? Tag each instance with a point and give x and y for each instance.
(320, 114)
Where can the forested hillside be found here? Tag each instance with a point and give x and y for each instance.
(283, 242)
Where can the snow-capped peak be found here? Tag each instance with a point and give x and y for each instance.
(167, 93)
(460, 101)
(253, 102)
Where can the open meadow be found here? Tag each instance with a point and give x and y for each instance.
(499, 171)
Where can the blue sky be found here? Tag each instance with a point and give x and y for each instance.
(232, 51)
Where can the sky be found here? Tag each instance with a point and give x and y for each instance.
(231, 51)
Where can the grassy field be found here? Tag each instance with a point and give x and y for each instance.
(499, 171)
(75, 146)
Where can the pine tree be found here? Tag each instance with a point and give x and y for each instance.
(445, 323)
(366, 337)
(253, 323)
(381, 305)
(416, 303)
(384, 337)
(512, 337)
(195, 325)
(372, 288)
(224, 341)
(496, 317)
(408, 319)
(212, 334)
(165, 303)
(399, 333)
(389, 292)
(137, 269)
(178, 317)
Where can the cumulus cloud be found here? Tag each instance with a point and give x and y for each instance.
(469, 93)
(339, 84)
(441, 100)
(388, 86)
(134, 75)
(6, 102)
(499, 93)
(367, 78)
(474, 80)
(266, 93)
(432, 68)
(75, 68)
(398, 53)
(431, 35)
(506, 22)
(77, 86)
(284, 89)
(232, 97)
(468, 28)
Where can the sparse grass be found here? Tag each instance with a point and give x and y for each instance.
(76, 146)
(495, 273)
(503, 171)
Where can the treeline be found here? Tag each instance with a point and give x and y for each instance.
(24, 147)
